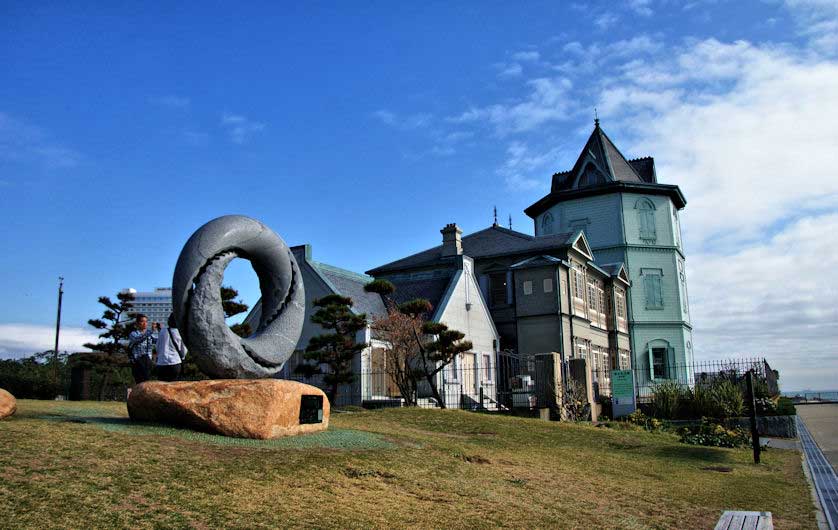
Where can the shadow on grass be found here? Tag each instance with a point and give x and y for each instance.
(345, 439)
(693, 453)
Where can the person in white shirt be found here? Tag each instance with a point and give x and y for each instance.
(170, 352)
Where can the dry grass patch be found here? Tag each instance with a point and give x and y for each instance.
(77, 465)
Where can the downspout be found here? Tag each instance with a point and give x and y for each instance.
(629, 299)
(571, 305)
(561, 324)
(614, 324)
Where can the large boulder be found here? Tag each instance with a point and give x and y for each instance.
(256, 408)
(8, 404)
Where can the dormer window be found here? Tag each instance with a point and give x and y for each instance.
(547, 224)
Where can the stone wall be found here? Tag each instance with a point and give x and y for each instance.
(775, 426)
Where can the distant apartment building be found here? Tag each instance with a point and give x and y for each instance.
(156, 304)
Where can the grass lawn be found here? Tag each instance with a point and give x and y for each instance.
(82, 465)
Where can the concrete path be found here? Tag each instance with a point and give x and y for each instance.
(822, 421)
(822, 473)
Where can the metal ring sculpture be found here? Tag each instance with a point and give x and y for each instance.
(196, 298)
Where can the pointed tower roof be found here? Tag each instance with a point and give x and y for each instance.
(600, 162)
(601, 168)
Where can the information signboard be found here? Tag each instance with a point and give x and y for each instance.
(622, 392)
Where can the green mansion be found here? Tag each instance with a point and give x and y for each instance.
(630, 218)
(602, 278)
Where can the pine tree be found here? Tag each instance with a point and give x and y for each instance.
(419, 349)
(111, 352)
(337, 349)
(232, 307)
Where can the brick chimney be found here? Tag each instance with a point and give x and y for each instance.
(452, 244)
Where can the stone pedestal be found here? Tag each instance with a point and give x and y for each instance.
(242, 408)
(8, 404)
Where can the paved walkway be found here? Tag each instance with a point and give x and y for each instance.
(822, 421)
(823, 474)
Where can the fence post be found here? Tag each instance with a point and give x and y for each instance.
(481, 397)
(754, 430)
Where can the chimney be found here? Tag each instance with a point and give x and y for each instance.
(451, 243)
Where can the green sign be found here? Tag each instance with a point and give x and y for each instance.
(622, 392)
(622, 384)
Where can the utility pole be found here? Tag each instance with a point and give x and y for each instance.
(753, 404)
(58, 325)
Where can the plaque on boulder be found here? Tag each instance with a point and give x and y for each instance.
(262, 409)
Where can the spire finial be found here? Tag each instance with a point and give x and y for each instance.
(496, 217)
(510, 221)
(596, 119)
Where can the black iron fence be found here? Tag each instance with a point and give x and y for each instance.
(524, 383)
(687, 375)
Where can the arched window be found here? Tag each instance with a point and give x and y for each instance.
(547, 224)
(590, 176)
(661, 359)
(646, 218)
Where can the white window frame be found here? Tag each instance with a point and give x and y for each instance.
(527, 287)
(547, 285)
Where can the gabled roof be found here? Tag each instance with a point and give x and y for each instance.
(492, 241)
(537, 261)
(351, 284)
(431, 289)
(339, 281)
(600, 162)
(581, 245)
(616, 270)
(600, 169)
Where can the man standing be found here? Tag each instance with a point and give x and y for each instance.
(141, 345)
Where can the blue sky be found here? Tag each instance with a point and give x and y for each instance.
(363, 128)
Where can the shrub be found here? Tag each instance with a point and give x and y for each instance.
(668, 399)
(730, 401)
(720, 399)
(575, 403)
(712, 434)
(785, 407)
(638, 418)
(703, 402)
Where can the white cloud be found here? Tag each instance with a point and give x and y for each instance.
(751, 119)
(240, 128)
(605, 20)
(641, 7)
(774, 299)
(547, 101)
(509, 70)
(598, 56)
(526, 56)
(405, 122)
(23, 142)
(385, 116)
(818, 21)
(523, 170)
(18, 340)
(575, 47)
(749, 133)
